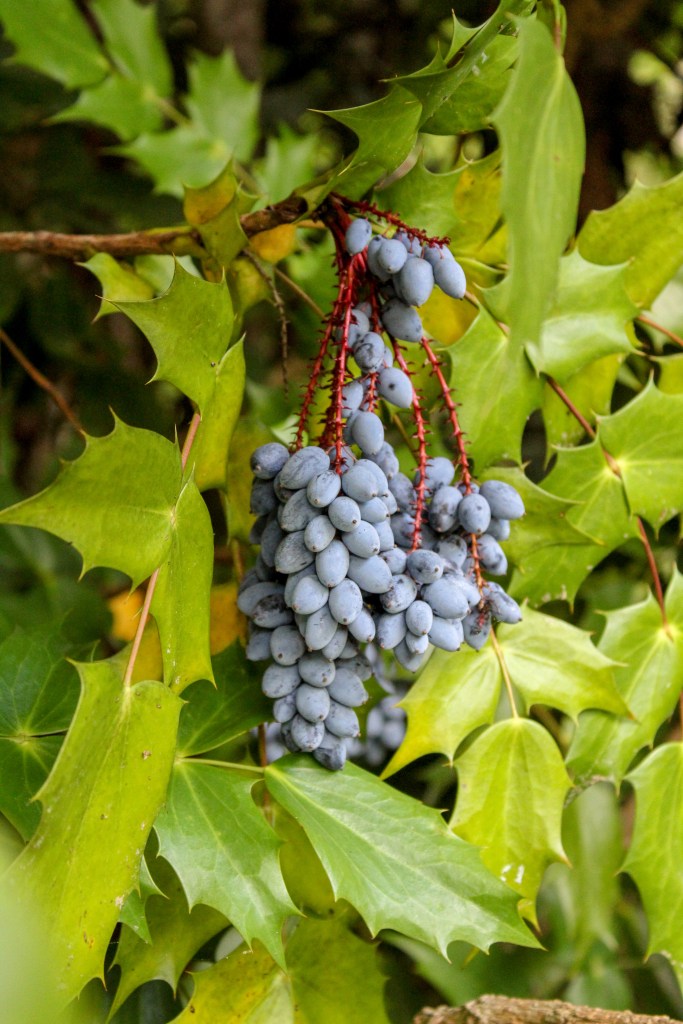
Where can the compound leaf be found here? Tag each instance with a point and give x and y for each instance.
(511, 788)
(357, 825)
(225, 854)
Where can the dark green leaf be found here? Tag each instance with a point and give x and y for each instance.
(38, 688)
(25, 763)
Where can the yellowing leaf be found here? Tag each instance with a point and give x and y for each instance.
(272, 246)
(227, 621)
(125, 610)
(245, 988)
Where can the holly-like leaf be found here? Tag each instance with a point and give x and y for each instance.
(214, 210)
(117, 103)
(649, 681)
(181, 157)
(646, 440)
(223, 103)
(493, 417)
(386, 131)
(189, 328)
(115, 503)
(99, 803)
(552, 662)
(247, 987)
(645, 230)
(545, 548)
(224, 852)
(586, 321)
(52, 37)
(212, 715)
(133, 911)
(176, 934)
(654, 859)
(212, 443)
(38, 696)
(541, 129)
(590, 391)
(511, 788)
(181, 601)
(434, 889)
(454, 695)
(119, 282)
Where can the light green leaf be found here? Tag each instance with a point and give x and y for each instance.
(552, 662)
(541, 130)
(336, 977)
(131, 34)
(223, 103)
(358, 824)
(245, 988)
(214, 210)
(117, 103)
(52, 37)
(586, 321)
(644, 229)
(189, 328)
(650, 682)
(99, 803)
(181, 602)
(212, 443)
(646, 440)
(289, 159)
(493, 418)
(386, 131)
(115, 503)
(511, 788)
(179, 157)
(654, 859)
(454, 695)
(119, 282)
(225, 854)
(670, 374)
(590, 390)
(212, 715)
(176, 935)
(133, 912)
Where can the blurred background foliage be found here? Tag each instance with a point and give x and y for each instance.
(279, 63)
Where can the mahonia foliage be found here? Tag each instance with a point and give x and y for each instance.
(148, 819)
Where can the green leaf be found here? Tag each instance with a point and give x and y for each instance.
(189, 328)
(586, 321)
(454, 695)
(590, 390)
(336, 977)
(131, 34)
(212, 715)
(646, 440)
(654, 859)
(181, 601)
(245, 988)
(176, 935)
(52, 37)
(511, 788)
(212, 443)
(541, 129)
(223, 103)
(493, 418)
(38, 696)
(645, 230)
(670, 374)
(115, 503)
(358, 826)
(552, 662)
(116, 103)
(386, 131)
(119, 282)
(224, 852)
(650, 682)
(214, 210)
(99, 803)
(133, 911)
(179, 157)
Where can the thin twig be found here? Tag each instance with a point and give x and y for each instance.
(504, 670)
(42, 381)
(281, 314)
(677, 340)
(576, 413)
(304, 296)
(657, 583)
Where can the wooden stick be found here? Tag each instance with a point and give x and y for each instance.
(502, 1010)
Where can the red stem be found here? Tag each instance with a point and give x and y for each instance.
(420, 434)
(363, 206)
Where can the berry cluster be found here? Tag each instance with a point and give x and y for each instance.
(351, 550)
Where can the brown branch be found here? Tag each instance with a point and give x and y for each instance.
(677, 340)
(42, 381)
(503, 1010)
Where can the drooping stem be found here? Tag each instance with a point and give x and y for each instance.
(495, 643)
(447, 398)
(676, 338)
(42, 381)
(421, 437)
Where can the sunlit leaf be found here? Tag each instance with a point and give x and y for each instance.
(119, 282)
(212, 443)
(134, 910)
(247, 987)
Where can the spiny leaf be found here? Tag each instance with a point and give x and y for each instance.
(180, 157)
(99, 803)
(391, 884)
(133, 911)
(511, 788)
(212, 715)
(176, 935)
(24, 765)
(590, 390)
(646, 440)
(118, 103)
(223, 103)
(645, 230)
(245, 988)
(586, 321)
(649, 681)
(119, 282)
(214, 210)
(225, 854)
(493, 418)
(212, 443)
(454, 695)
(52, 37)
(654, 859)
(181, 602)
(189, 328)
(115, 503)
(541, 128)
